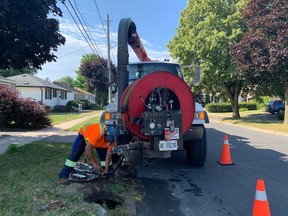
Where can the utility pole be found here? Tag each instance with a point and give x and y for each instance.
(109, 63)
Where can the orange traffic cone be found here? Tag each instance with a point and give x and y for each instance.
(261, 205)
(225, 157)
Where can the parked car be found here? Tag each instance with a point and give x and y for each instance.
(275, 106)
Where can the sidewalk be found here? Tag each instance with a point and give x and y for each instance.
(52, 134)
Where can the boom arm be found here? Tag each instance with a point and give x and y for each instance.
(135, 42)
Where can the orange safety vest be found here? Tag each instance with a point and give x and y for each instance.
(94, 134)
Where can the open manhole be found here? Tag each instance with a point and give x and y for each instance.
(102, 197)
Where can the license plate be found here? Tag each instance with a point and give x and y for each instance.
(168, 145)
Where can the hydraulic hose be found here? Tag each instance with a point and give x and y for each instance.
(125, 31)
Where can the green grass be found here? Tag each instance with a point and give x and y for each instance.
(77, 126)
(255, 119)
(58, 118)
(28, 180)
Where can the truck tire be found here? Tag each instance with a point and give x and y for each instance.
(196, 151)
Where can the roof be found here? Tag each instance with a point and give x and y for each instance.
(3, 79)
(27, 80)
(82, 91)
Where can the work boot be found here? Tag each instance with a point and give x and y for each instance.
(64, 181)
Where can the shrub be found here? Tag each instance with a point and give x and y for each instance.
(85, 104)
(61, 108)
(70, 104)
(248, 105)
(226, 107)
(12, 148)
(75, 103)
(9, 103)
(218, 107)
(18, 112)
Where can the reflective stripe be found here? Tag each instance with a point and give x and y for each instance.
(84, 126)
(261, 195)
(69, 163)
(108, 144)
(101, 129)
(225, 141)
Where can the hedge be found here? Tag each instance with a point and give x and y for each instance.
(18, 112)
(226, 107)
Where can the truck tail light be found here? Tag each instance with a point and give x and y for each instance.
(107, 116)
(201, 115)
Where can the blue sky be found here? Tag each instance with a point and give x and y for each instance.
(156, 22)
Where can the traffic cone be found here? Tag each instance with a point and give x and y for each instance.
(225, 157)
(261, 205)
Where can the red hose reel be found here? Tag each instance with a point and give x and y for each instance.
(135, 95)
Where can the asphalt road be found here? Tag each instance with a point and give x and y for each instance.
(170, 187)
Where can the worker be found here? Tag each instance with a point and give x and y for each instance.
(91, 136)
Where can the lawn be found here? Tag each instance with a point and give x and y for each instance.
(255, 119)
(58, 118)
(29, 181)
(89, 121)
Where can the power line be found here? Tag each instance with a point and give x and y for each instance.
(100, 17)
(73, 52)
(104, 65)
(88, 38)
(90, 35)
(79, 28)
(84, 29)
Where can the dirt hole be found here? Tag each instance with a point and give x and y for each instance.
(102, 197)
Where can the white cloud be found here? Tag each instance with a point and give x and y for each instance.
(70, 54)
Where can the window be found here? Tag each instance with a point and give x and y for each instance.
(48, 93)
(54, 93)
(137, 71)
(63, 95)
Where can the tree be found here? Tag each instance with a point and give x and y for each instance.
(262, 54)
(80, 81)
(92, 69)
(28, 37)
(13, 72)
(206, 30)
(65, 81)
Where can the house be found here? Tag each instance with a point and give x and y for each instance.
(41, 90)
(80, 94)
(10, 84)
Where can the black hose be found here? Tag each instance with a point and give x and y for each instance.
(125, 31)
(117, 166)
